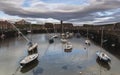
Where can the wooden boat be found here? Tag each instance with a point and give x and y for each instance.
(68, 46)
(103, 56)
(29, 59)
(32, 47)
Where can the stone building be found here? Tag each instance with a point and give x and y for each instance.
(5, 25)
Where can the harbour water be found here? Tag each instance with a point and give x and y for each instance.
(53, 60)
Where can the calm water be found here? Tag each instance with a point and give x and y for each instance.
(53, 60)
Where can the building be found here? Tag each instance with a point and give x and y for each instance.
(49, 25)
(21, 22)
(5, 25)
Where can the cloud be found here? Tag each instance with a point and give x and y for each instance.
(92, 12)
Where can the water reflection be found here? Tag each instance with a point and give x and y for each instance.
(29, 66)
(67, 50)
(103, 64)
(38, 71)
(65, 67)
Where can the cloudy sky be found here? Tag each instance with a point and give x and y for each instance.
(77, 12)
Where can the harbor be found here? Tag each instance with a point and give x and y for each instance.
(53, 60)
(58, 37)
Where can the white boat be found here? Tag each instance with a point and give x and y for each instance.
(87, 42)
(71, 34)
(63, 40)
(29, 59)
(63, 35)
(29, 31)
(68, 46)
(103, 56)
(32, 47)
(55, 36)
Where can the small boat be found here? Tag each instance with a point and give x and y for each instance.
(32, 46)
(51, 40)
(103, 56)
(55, 36)
(87, 42)
(63, 35)
(68, 46)
(29, 31)
(71, 34)
(28, 59)
(103, 64)
(63, 40)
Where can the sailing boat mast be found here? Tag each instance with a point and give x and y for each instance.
(87, 32)
(101, 45)
(102, 36)
(62, 25)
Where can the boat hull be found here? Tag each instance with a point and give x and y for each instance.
(104, 58)
(51, 41)
(29, 59)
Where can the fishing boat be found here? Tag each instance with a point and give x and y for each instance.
(103, 56)
(29, 59)
(68, 46)
(32, 46)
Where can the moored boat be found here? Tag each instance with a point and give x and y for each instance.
(68, 46)
(51, 40)
(87, 42)
(32, 47)
(55, 36)
(103, 56)
(63, 40)
(29, 59)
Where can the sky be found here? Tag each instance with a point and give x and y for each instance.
(77, 12)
